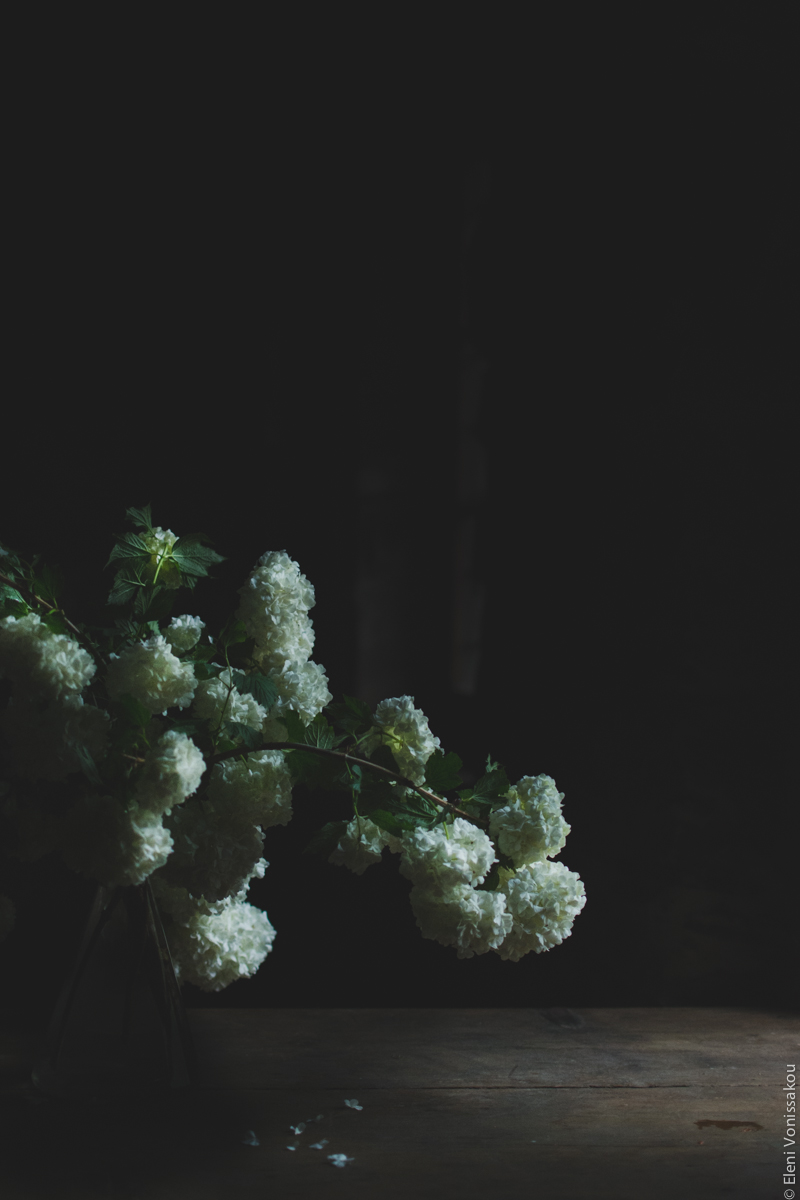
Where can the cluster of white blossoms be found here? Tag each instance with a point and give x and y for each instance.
(274, 608)
(404, 729)
(213, 850)
(152, 674)
(530, 826)
(212, 944)
(361, 845)
(40, 663)
(183, 633)
(544, 899)
(116, 846)
(220, 700)
(43, 737)
(258, 789)
(172, 770)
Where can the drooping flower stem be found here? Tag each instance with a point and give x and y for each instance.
(361, 762)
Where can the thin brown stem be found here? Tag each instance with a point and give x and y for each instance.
(22, 587)
(361, 762)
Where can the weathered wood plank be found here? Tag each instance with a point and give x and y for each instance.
(482, 1048)
(554, 1143)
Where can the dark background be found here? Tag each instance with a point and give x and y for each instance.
(495, 335)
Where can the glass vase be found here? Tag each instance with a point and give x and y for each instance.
(119, 1026)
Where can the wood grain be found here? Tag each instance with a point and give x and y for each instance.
(598, 1104)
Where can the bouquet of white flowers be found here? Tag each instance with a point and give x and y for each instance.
(151, 751)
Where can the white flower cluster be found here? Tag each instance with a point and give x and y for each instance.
(183, 633)
(214, 850)
(404, 729)
(172, 771)
(274, 607)
(42, 664)
(214, 944)
(530, 827)
(102, 841)
(462, 854)
(361, 844)
(219, 699)
(160, 542)
(43, 737)
(152, 674)
(258, 790)
(544, 900)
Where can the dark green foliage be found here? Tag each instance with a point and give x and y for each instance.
(489, 788)
(234, 729)
(324, 841)
(442, 772)
(258, 685)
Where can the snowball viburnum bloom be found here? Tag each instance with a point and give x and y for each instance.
(431, 857)
(361, 844)
(274, 608)
(42, 664)
(530, 827)
(183, 633)
(152, 674)
(404, 729)
(213, 944)
(172, 771)
(473, 921)
(544, 899)
(219, 699)
(302, 688)
(102, 841)
(258, 790)
(214, 850)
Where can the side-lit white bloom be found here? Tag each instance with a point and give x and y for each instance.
(102, 841)
(258, 790)
(431, 857)
(530, 826)
(212, 945)
(302, 688)
(8, 911)
(160, 542)
(404, 729)
(274, 608)
(219, 699)
(172, 771)
(42, 664)
(361, 844)
(44, 741)
(183, 633)
(152, 674)
(214, 851)
(472, 921)
(544, 899)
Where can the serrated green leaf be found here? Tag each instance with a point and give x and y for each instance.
(294, 725)
(47, 584)
(441, 772)
(257, 685)
(9, 593)
(232, 631)
(251, 737)
(385, 820)
(325, 840)
(56, 623)
(206, 670)
(194, 558)
(383, 757)
(318, 733)
(140, 517)
(122, 592)
(491, 786)
(225, 745)
(129, 546)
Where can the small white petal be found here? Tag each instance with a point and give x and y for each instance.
(338, 1160)
(319, 1145)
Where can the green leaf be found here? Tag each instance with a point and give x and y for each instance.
(232, 631)
(130, 712)
(318, 733)
(47, 584)
(257, 685)
(383, 757)
(9, 593)
(207, 670)
(140, 517)
(123, 590)
(241, 653)
(57, 623)
(385, 820)
(251, 737)
(489, 788)
(491, 881)
(129, 546)
(87, 763)
(325, 840)
(294, 725)
(194, 558)
(441, 772)
(196, 728)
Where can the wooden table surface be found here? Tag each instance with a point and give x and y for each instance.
(490, 1104)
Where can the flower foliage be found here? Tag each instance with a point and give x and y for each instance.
(148, 750)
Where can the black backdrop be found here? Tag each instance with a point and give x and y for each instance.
(242, 297)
